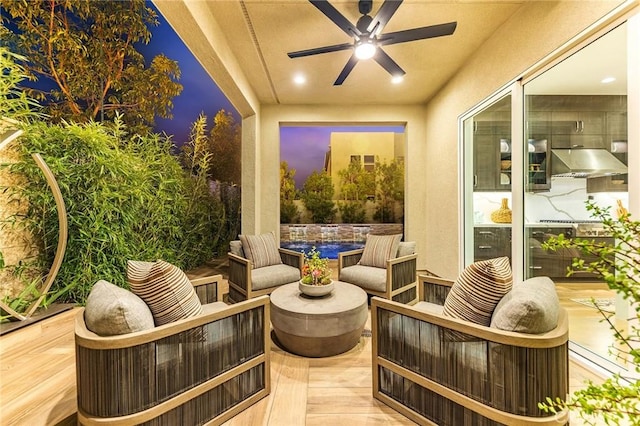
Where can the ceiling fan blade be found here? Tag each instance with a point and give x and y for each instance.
(346, 70)
(332, 13)
(417, 34)
(319, 50)
(387, 63)
(385, 13)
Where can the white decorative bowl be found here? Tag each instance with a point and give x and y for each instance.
(315, 290)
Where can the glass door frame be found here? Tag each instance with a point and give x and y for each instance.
(630, 15)
(513, 89)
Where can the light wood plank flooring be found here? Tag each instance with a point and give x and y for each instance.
(37, 383)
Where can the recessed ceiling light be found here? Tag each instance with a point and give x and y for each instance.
(299, 79)
(397, 79)
(608, 80)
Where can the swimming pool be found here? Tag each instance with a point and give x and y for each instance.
(327, 250)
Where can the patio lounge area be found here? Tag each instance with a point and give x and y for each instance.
(425, 363)
(39, 385)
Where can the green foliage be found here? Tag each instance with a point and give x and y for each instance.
(315, 270)
(14, 102)
(126, 197)
(22, 301)
(288, 210)
(317, 196)
(198, 158)
(86, 52)
(617, 400)
(390, 182)
(357, 185)
(225, 146)
(352, 211)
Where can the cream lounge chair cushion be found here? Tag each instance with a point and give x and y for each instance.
(531, 306)
(111, 310)
(274, 275)
(378, 249)
(367, 277)
(261, 250)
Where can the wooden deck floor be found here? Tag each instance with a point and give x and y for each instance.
(37, 383)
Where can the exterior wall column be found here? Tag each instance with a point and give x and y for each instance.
(250, 176)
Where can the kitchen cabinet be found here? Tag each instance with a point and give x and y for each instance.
(585, 129)
(616, 127)
(492, 152)
(555, 264)
(491, 241)
(569, 121)
(617, 183)
(538, 165)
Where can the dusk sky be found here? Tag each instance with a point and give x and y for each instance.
(302, 147)
(200, 93)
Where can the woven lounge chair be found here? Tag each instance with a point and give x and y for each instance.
(199, 370)
(435, 369)
(392, 275)
(256, 274)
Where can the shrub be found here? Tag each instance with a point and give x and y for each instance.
(126, 196)
(615, 401)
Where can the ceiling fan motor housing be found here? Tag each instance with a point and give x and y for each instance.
(365, 6)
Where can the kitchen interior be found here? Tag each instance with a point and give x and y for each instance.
(576, 150)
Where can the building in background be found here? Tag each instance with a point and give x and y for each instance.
(363, 147)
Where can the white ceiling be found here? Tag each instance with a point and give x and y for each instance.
(261, 32)
(582, 73)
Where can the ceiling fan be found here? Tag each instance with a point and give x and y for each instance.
(368, 38)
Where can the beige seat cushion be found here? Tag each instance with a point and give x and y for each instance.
(111, 310)
(476, 292)
(274, 275)
(165, 289)
(378, 249)
(261, 250)
(531, 306)
(366, 277)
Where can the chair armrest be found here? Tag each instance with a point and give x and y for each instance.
(349, 258)
(88, 339)
(240, 271)
(555, 337)
(433, 289)
(292, 258)
(401, 271)
(207, 288)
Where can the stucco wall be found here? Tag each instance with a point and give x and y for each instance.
(533, 32)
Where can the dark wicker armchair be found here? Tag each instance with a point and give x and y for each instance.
(395, 282)
(246, 283)
(200, 370)
(445, 371)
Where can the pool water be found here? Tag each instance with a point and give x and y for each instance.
(327, 250)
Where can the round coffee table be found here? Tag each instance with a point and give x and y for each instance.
(318, 326)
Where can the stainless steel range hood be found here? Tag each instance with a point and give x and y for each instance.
(585, 162)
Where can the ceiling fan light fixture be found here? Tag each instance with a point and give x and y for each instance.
(397, 79)
(365, 50)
